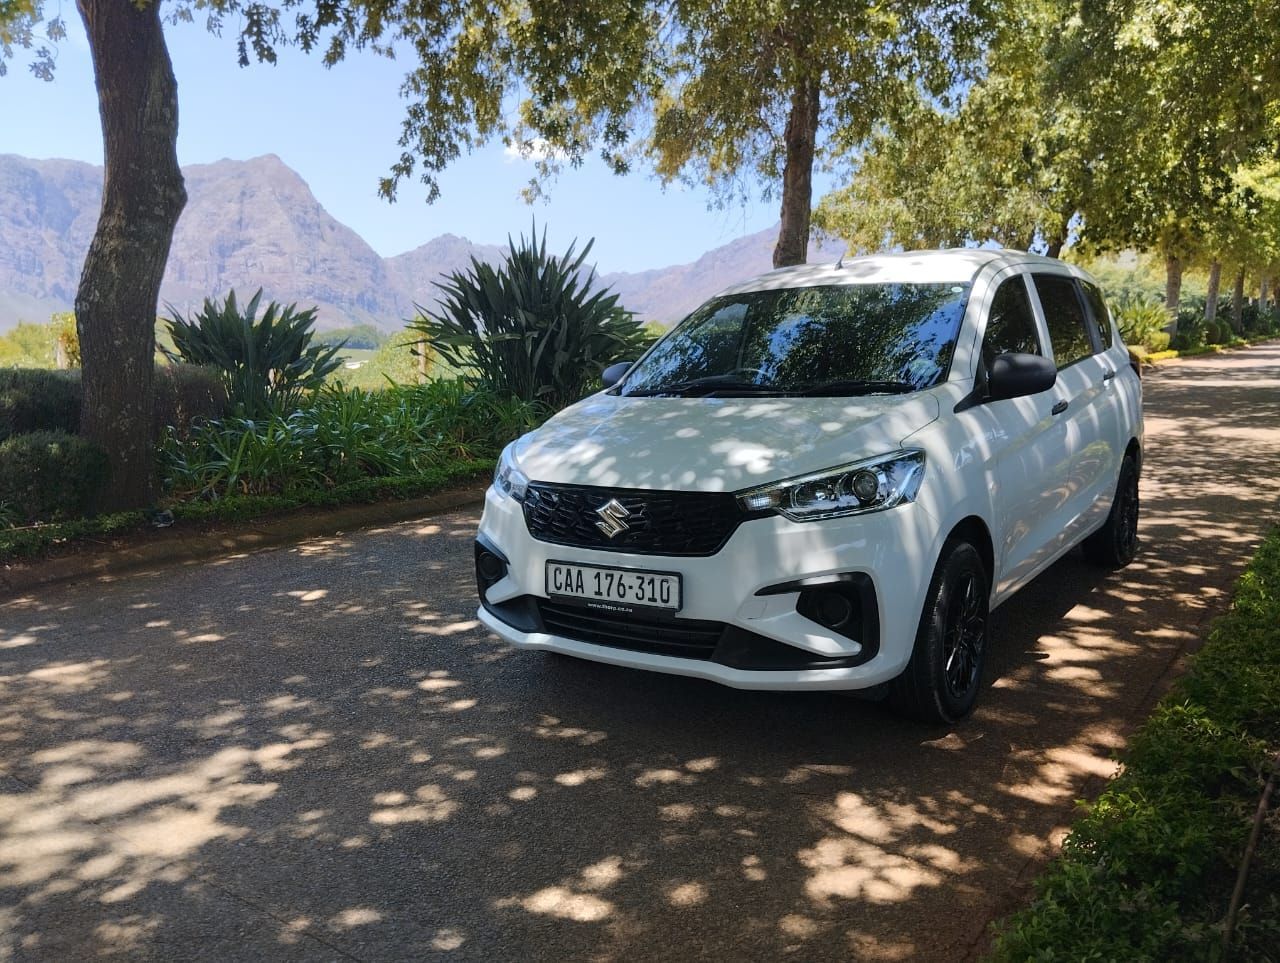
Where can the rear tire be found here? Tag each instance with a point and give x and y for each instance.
(1116, 543)
(940, 684)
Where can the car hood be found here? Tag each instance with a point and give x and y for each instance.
(714, 444)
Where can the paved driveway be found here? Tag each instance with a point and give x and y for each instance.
(315, 753)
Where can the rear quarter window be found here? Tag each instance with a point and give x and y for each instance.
(1099, 315)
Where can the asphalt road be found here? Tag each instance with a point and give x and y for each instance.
(315, 753)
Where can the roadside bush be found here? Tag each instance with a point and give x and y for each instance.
(268, 364)
(1143, 322)
(342, 435)
(49, 475)
(186, 393)
(535, 328)
(1147, 872)
(1191, 332)
(35, 399)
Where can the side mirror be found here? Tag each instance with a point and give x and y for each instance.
(615, 373)
(1017, 375)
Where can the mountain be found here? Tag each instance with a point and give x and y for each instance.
(668, 294)
(416, 271)
(255, 223)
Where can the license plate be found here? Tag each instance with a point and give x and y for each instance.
(608, 589)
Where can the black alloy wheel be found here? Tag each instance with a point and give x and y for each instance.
(941, 681)
(1115, 544)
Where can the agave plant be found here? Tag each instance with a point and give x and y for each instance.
(267, 363)
(1142, 321)
(535, 328)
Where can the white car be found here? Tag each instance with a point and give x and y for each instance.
(826, 478)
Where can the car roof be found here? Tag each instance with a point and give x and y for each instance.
(953, 266)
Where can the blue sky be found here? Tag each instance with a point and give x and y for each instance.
(338, 128)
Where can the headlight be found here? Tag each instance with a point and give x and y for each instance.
(854, 489)
(508, 479)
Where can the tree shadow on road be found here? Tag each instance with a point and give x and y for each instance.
(318, 753)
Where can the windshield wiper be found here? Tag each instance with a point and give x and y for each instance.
(711, 384)
(845, 386)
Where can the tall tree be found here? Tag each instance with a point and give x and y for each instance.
(142, 196)
(579, 68)
(761, 90)
(1001, 165)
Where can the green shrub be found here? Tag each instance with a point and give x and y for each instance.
(34, 399)
(186, 393)
(533, 328)
(1147, 872)
(1143, 322)
(268, 364)
(1215, 332)
(342, 435)
(49, 475)
(39, 539)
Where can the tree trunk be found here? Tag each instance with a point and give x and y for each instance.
(142, 195)
(1264, 291)
(1172, 282)
(800, 138)
(1055, 247)
(1211, 296)
(1237, 304)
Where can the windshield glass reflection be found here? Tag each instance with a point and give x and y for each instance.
(833, 339)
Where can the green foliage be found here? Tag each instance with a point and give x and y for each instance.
(398, 361)
(354, 336)
(28, 346)
(38, 400)
(44, 400)
(1142, 322)
(187, 394)
(1147, 872)
(66, 339)
(342, 435)
(532, 328)
(50, 474)
(268, 364)
(16, 543)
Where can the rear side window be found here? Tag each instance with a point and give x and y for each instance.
(1064, 316)
(1098, 313)
(1011, 326)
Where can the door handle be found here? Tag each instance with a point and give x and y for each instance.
(1060, 407)
(1108, 375)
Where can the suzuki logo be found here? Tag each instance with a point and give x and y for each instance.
(613, 518)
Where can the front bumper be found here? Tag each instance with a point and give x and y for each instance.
(750, 587)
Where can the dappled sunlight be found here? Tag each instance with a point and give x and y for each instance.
(317, 752)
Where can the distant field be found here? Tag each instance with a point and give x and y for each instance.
(357, 357)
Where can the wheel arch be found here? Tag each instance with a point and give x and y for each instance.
(974, 530)
(1134, 449)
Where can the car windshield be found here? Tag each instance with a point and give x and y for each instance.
(845, 339)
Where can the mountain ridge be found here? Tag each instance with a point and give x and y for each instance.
(256, 223)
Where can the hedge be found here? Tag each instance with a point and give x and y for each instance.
(34, 399)
(38, 400)
(1147, 872)
(49, 474)
(36, 540)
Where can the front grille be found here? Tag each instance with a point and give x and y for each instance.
(684, 638)
(658, 522)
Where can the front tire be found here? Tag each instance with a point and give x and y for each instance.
(941, 682)
(1116, 543)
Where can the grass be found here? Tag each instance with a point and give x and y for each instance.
(1146, 873)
